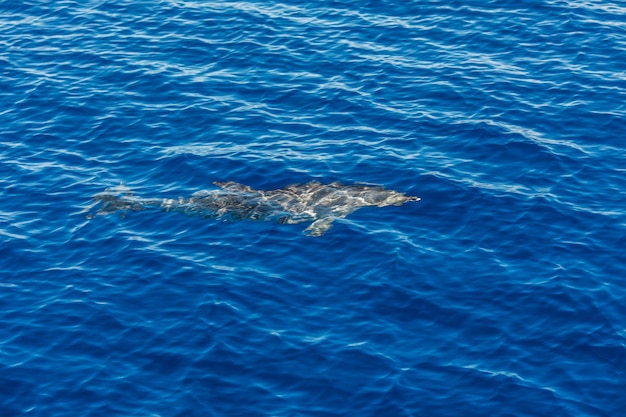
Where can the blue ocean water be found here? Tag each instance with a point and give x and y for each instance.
(501, 293)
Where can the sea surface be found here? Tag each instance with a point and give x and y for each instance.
(501, 293)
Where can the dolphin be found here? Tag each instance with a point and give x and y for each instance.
(320, 204)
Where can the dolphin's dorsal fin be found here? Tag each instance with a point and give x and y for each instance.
(319, 226)
(233, 186)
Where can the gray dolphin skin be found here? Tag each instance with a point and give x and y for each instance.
(320, 204)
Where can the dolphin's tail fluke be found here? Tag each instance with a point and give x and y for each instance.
(121, 199)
